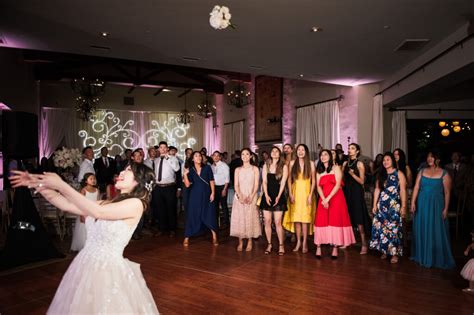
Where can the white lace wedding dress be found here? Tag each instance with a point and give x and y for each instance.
(100, 280)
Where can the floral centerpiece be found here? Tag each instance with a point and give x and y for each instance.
(220, 18)
(66, 161)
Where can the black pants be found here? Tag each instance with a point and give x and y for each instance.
(222, 201)
(164, 203)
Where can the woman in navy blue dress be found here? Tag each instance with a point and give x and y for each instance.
(200, 213)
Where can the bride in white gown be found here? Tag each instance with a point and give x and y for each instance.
(100, 280)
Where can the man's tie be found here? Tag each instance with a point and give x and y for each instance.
(455, 172)
(160, 169)
(153, 165)
(106, 162)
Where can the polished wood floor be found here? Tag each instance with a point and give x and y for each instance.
(203, 279)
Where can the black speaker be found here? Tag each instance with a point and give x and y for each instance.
(19, 138)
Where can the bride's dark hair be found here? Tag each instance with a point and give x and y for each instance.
(145, 179)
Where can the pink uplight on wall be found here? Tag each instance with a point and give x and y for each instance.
(4, 106)
(289, 112)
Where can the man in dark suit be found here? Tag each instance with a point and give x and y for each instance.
(457, 172)
(104, 169)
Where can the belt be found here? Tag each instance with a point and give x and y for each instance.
(166, 185)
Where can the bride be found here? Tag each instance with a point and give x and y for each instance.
(100, 280)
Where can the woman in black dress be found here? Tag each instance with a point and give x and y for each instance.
(275, 174)
(354, 178)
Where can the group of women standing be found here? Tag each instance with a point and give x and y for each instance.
(289, 184)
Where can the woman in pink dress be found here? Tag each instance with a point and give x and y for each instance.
(245, 219)
(332, 225)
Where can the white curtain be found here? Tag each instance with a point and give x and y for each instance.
(377, 125)
(318, 124)
(399, 131)
(210, 134)
(53, 126)
(233, 136)
(117, 130)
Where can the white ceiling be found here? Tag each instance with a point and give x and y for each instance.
(353, 48)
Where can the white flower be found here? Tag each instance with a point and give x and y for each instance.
(215, 22)
(220, 17)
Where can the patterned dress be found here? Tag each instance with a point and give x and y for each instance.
(387, 222)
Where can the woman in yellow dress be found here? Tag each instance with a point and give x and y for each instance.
(301, 182)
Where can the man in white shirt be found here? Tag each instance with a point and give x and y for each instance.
(164, 200)
(221, 179)
(87, 166)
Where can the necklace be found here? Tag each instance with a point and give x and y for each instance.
(349, 163)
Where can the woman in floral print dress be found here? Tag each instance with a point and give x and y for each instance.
(389, 208)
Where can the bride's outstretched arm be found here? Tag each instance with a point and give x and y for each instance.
(55, 198)
(126, 209)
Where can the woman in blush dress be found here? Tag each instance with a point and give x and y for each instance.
(332, 225)
(245, 219)
(99, 280)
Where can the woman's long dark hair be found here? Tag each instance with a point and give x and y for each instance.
(382, 174)
(251, 161)
(296, 170)
(402, 161)
(321, 168)
(85, 178)
(191, 162)
(357, 146)
(280, 164)
(144, 177)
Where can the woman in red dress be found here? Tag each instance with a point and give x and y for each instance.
(332, 224)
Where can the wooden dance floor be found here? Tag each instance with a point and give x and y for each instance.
(203, 279)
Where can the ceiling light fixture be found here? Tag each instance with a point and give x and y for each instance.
(166, 90)
(238, 95)
(315, 29)
(185, 117)
(301, 75)
(206, 109)
(104, 34)
(89, 92)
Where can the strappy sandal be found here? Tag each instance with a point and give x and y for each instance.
(269, 249)
(281, 250)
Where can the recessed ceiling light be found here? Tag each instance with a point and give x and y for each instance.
(301, 75)
(386, 27)
(166, 90)
(315, 29)
(104, 34)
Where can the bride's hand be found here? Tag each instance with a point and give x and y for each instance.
(21, 178)
(51, 181)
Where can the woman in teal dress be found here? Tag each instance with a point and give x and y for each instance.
(429, 205)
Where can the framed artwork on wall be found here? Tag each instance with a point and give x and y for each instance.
(268, 109)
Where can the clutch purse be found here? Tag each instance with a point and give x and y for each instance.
(259, 200)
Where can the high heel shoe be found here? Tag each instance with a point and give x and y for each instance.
(334, 257)
(269, 249)
(281, 250)
(318, 256)
(186, 242)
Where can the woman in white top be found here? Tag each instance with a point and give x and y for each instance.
(89, 189)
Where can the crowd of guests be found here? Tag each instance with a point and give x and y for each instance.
(298, 197)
